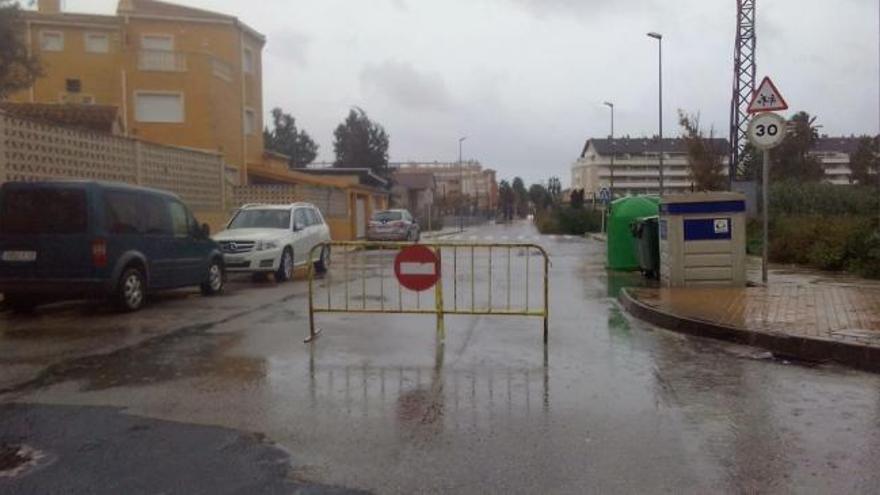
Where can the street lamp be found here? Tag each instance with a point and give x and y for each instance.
(613, 148)
(659, 38)
(460, 184)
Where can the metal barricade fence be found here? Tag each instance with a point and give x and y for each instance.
(484, 279)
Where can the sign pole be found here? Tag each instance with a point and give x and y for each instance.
(766, 213)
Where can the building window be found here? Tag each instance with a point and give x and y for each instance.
(250, 122)
(97, 43)
(161, 42)
(221, 69)
(73, 85)
(248, 61)
(159, 107)
(52, 41)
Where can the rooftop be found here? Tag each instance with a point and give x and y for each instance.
(634, 146)
(414, 180)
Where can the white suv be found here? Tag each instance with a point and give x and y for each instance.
(274, 239)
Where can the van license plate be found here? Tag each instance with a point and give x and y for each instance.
(19, 256)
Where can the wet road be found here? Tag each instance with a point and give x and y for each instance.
(379, 404)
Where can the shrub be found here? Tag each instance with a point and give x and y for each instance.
(800, 198)
(568, 221)
(839, 242)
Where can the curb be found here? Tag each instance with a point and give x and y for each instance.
(799, 348)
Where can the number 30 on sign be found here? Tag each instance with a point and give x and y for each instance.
(767, 130)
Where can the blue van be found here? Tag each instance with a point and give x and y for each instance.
(77, 240)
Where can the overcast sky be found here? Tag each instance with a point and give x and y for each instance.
(525, 79)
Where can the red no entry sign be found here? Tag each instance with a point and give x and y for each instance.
(417, 268)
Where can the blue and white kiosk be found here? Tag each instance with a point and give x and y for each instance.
(703, 240)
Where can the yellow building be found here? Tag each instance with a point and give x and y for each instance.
(179, 76)
(184, 77)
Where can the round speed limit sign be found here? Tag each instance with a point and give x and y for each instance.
(767, 130)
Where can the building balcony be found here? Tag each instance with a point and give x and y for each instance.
(161, 61)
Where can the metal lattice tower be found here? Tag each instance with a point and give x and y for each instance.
(743, 83)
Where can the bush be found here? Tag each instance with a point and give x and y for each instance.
(840, 242)
(804, 198)
(568, 221)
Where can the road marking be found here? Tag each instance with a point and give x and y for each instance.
(568, 238)
(473, 238)
(521, 238)
(504, 238)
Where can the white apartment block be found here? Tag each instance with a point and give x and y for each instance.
(636, 166)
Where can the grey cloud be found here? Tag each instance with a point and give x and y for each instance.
(403, 85)
(291, 46)
(581, 8)
(400, 5)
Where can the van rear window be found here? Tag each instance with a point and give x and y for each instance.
(43, 211)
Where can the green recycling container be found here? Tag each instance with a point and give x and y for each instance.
(622, 248)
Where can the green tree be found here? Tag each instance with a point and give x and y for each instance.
(506, 199)
(752, 162)
(539, 196)
(284, 138)
(704, 158)
(18, 69)
(554, 187)
(577, 199)
(360, 142)
(521, 197)
(863, 162)
(792, 159)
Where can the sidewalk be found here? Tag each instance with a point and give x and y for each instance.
(803, 314)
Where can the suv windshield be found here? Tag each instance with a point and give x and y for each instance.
(43, 211)
(261, 219)
(388, 216)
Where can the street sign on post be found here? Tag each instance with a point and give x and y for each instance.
(417, 268)
(604, 195)
(767, 98)
(766, 131)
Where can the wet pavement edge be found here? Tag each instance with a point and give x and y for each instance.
(786, 346)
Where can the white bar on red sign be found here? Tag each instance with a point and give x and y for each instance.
(411, 268)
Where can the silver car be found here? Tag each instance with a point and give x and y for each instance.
(393, 225)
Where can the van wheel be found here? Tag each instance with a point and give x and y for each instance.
(323, 263)
(20, 303)
(131, 290)
(213, 284)
(285, 268)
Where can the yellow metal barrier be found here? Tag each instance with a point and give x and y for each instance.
(374, 274)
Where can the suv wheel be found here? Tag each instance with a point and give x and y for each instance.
(285, 268)
(323, 263)
(131, 290)
(20, 303)
(213, 283)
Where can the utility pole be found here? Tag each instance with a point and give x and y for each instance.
(659, 38)
(613, 148)
(744, 68)
(460, 185)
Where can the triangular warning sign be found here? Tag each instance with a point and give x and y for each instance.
(767, 98)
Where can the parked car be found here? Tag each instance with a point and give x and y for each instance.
(70, 240)
(393, 225)
(275, 239)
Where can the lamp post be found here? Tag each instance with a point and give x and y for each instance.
(460, 184)
(613, 148)
(659, 38)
